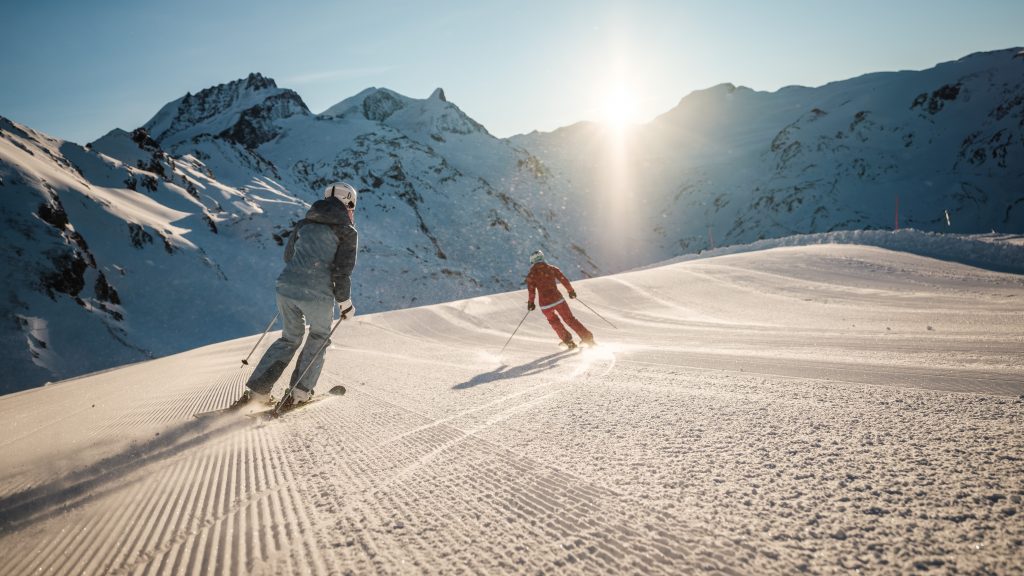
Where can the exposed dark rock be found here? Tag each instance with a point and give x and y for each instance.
(946, 93)
(79, 241)
(68, 276)
(149, 183)
(498, 221)
(104, 291)
(380, 105)
(54, 214)
(255, 127)
(139, 235)
(142, 138)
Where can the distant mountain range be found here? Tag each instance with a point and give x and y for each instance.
(168, 237)
(730, 165)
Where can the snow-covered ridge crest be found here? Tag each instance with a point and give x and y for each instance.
(240, 110)
(375, 104)
(999, 252)
(434, 114)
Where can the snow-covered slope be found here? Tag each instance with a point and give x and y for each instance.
(999, 252)
(730, 165)
(821, 409)
(110, 261)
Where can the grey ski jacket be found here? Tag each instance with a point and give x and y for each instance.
(320, 254)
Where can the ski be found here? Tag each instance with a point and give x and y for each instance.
(568, 346)
(263, 411)
(278, 410)
(222, 411)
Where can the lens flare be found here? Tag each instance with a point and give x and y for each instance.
(619, 109)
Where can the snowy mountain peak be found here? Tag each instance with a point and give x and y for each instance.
(381, 104)
(242, 111)
(715, 92)
(257, 81)
(375, 104)
(429, 118)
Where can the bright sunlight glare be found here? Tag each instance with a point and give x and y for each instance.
(619, 108)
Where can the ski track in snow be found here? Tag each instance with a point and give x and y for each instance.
(821, 409)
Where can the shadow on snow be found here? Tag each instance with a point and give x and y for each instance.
(96, 480)
(504, 371)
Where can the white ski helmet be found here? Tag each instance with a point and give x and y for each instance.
(537, 256)
(342, 191)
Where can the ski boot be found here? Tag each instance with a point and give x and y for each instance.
(242, 401)
(300, 395)
(569, 345)
(248, 396)
(293, 398)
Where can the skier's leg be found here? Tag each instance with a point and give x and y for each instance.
(319, 313)
(566, 313)
(556, 324)
(280, 353)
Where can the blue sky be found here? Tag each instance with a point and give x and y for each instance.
(77, 69)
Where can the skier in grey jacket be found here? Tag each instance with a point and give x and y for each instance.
(319, 259)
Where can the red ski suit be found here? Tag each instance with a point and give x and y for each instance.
(541, 282)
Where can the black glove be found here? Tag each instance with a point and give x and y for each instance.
(530, 306)
(572, 294)
(347, 309)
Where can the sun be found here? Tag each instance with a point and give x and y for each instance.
(619, 108)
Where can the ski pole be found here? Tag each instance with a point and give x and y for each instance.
(274, 319)
(295, 382)
(514, 333)
(595, 312)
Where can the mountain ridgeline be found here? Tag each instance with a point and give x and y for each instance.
(168, 237)
(944, 147)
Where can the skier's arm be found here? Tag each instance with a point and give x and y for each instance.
(344, 262)
(289, 249)
(565, 281)
(531, 291)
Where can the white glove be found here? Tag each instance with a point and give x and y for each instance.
(347, 309)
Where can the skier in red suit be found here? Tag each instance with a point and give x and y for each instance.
(542, 283)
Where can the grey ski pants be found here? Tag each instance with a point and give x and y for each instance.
(295, 314)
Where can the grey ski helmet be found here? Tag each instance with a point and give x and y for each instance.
(537, 256)
(342, 191)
